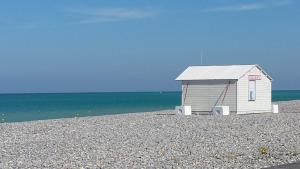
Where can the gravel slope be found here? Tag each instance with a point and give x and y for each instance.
(154, 140)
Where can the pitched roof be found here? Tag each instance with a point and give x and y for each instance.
(217, 72)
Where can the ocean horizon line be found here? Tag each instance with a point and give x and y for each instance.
(89, 92)
(20, 93)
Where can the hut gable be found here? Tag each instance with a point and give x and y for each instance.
(263, 93)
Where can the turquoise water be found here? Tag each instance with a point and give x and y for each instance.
(27, 107)
(285, 95)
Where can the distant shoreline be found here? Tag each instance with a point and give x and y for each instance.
(292, 106)
(30, 107)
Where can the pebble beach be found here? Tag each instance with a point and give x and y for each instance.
(155, 140)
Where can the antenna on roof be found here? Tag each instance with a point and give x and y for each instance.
(201, 56)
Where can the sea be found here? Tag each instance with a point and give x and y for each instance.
(29, 107)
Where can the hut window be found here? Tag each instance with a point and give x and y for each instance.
(252, 90)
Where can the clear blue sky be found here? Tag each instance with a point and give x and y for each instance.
(135, 45)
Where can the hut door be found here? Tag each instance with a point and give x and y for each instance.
(252, 90)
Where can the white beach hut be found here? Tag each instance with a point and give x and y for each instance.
(242, 88)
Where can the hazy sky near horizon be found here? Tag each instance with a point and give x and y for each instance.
(141, 45)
